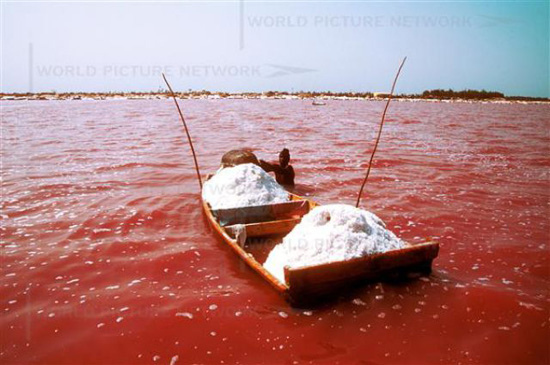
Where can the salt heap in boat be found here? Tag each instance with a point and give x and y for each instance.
(331, 233)
(242, 186)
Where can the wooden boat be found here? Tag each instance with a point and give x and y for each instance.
(242, 227)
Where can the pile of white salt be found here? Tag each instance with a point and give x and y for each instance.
(331, 233)
(242, 186)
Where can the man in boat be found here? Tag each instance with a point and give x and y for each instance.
(284, 173)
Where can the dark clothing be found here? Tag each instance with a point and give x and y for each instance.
(283, 175)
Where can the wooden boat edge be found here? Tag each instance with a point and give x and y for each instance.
(309, 282)
(410, 247)
(250, 260)
(293, 288)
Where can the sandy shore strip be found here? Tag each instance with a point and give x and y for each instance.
(263, 96)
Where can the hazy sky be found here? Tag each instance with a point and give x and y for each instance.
(259, 46)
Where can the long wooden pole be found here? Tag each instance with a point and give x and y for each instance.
(186, 131)
(379, 133)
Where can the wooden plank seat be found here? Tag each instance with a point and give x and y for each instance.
(261, 213)
(283, 226)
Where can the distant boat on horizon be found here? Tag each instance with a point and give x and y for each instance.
(318, 102)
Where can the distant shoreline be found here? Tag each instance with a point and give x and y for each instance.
(319, 98)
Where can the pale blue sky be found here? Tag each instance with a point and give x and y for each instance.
(234, 46)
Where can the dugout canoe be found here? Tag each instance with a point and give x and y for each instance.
(240, 227)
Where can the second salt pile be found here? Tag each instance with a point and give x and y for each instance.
(331, 233)
(242, 186)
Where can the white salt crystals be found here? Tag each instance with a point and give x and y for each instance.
(331, 233)
(242, 186)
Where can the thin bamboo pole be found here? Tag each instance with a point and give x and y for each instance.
(186, 131)
(379, 133)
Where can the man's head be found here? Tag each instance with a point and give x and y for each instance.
(284, 157)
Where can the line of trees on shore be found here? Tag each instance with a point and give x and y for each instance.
(463, 94)
(439, 94)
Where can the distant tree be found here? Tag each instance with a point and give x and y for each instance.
(464, 94)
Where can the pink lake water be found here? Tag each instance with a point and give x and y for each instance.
(107, 258)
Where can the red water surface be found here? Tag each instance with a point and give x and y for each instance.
(105, 251)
